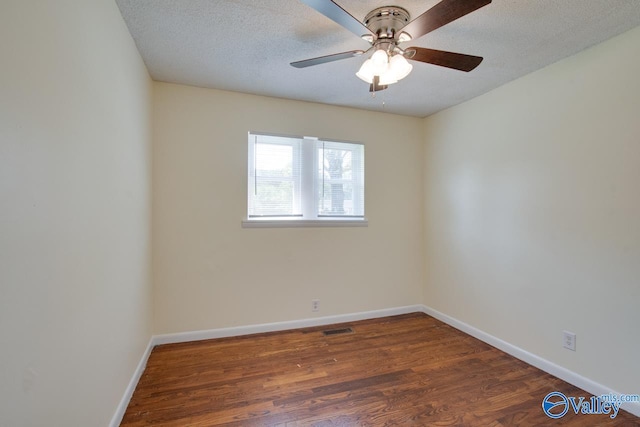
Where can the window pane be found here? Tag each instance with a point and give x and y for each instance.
(340, 179)
(276, 177)
(274, 160)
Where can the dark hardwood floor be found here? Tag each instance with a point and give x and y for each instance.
(402, 370)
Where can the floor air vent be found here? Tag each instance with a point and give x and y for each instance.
(338, 331)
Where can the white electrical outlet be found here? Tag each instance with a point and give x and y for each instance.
(569, 340)
(315, 305)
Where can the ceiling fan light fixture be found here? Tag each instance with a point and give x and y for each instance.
(399, 67)
(366, 72)
(389, 71)
(377, 65)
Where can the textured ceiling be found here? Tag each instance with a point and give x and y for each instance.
(247, 45)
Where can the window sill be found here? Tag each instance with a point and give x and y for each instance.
(298, 223)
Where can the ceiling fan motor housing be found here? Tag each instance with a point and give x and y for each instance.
(385, 22)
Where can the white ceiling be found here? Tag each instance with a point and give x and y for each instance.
(247, 45)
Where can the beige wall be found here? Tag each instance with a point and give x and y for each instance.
(75, 304)
(532, 212)
(211, 273)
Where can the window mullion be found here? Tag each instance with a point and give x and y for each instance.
(309, 210)
(298, 193)
(358, 176)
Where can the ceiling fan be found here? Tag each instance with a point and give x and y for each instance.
(385, 28)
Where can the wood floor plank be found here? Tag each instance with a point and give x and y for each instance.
(402, 370)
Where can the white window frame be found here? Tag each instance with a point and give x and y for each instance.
(309, 186)
(252, 179)
(358, 184)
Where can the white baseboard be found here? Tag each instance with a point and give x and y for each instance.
(569, 376)
(564, 374)
(280, 326)
(124, 402)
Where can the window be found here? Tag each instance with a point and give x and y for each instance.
(304, 181)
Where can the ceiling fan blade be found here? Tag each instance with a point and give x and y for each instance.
(336, 13)
(328, 58)
(441, 14)
(457, 61)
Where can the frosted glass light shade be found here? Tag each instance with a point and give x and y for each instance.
(366, 71)
(388, 78)
(400, 67)
(389, 70)
(380, 62)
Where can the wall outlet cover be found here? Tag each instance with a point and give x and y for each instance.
(569, 340)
